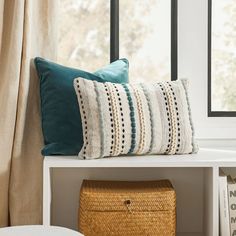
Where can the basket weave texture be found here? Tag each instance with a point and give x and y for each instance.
(118, 208)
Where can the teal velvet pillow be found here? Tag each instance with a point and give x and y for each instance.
(61, 120)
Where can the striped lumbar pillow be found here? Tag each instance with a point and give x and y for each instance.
(120, 119)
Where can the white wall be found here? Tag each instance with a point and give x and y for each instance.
(192, 64)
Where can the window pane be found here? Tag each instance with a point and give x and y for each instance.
(223, 55)
(84, 33)
(145, 38)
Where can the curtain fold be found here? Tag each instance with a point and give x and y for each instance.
(27, 29)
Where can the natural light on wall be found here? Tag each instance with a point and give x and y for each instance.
(223, 53)
(145, 36)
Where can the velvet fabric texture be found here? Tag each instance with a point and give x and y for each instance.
(61, 120)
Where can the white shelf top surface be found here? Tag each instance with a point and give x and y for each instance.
(204, 158)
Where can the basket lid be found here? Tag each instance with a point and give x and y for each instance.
(127, 196)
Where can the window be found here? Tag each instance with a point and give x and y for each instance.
(93, 32)
(222, 58)
(84, 33)
(145, 38)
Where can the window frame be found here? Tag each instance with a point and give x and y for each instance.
(114, 35)
(210, 112)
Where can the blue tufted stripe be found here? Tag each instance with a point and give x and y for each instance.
(132, 118)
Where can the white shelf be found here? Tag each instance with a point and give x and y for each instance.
(204, 158)
(207, 161)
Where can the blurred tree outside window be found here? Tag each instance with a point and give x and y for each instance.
(145, 38)
(223, 55)
(84, 33)
(144, 29)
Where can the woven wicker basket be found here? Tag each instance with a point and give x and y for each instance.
(127, 208)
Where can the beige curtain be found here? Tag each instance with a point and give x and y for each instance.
(27, 29)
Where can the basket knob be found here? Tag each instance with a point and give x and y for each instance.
(128, 202)
(128, 205)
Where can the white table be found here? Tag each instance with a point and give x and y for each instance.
(37, 230)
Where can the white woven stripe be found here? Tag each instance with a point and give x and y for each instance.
(141, 121)
(151, 123)
(194, 144)
(111, 89)
(101, 119)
